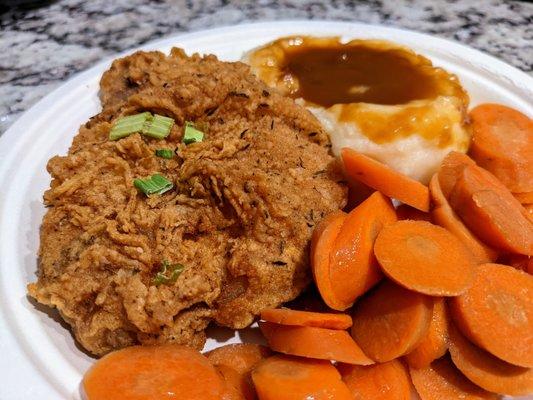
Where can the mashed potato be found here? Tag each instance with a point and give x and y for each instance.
(376, 97)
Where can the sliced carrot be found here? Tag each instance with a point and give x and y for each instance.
(285, 316)
(390, 321)
(502, 143)
(292, 378)
(353, 266)
(487, 371)
(384, 179)
(241, 356)
(444, 216)
(442, 381)
(435, 344)
(385, 381)
(403, 211)
(491, 212)
(319, 343)
(234, 362)
(151, 372)
(450, 170)
(322, 241)
(524, 198)
(237, 386)
(425, 258)
(496, 313)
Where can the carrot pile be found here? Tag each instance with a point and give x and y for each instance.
(435, 294)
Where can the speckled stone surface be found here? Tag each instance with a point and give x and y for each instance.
(42, 47)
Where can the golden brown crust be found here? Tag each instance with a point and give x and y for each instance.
(240, 218)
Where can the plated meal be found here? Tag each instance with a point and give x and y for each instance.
(342, 194)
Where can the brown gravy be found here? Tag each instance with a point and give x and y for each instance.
(359, 81)
(354, 73)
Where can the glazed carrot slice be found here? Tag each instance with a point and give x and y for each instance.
(322, 241)
(353, 266)
(444, 216)
(293, 378)
(435, 344)
(385, 381)
(319, 343)
(442, 381)
(487, 371)
(524, 198)
(390, 321)
(242, 357)
(151, 372)
(385, 180)
(285, 316)
(403, 211)
(234, 362)
(237, 386)
(491, 212)
(496, 313)
(425, 258)
(450, 170)
(502, 143)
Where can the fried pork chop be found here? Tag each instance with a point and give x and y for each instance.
(239, 218)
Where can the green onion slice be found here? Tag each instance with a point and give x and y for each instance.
(159, 127)
(192, 135)
(156, 184)
(164, 153)
(168, 273)
(126, 126)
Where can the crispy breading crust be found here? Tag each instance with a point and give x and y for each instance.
(240, 218)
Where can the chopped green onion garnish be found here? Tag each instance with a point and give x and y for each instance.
(164, 153)
(159, 127)
(168, 273)
(156, 184)
(125, 126)
(192, 135)
(156, 126)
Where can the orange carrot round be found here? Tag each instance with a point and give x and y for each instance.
(322, 241)
(285, 316)
(390, 321)
(237, 386)
(403, 211)
(491, 212)
(435, 344)
(385, 180)
(152, 372)
(240, 356)
(319, 343)
(450, 169)
(292, 378)
(496, 313)
(353, 266)
(487, 371)
(385, 381)
(444, 216)
(502, 143)
(442, 381)
(425, 258)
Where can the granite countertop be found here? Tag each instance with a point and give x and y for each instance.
(42, 47)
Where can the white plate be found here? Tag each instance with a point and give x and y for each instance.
(38, 356)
